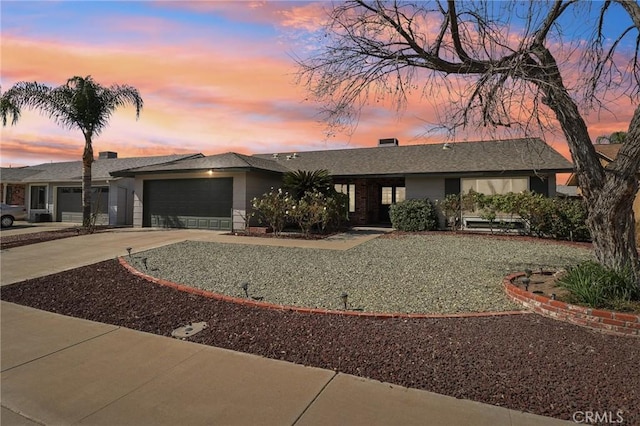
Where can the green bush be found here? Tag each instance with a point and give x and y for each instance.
(413, 215)
(559, 218)
(597, 286)
(570, 220)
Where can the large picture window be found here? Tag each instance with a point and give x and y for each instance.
(38, 197)
(493, 186)
(350, 190)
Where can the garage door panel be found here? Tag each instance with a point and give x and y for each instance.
(188, 203)
(69, 204)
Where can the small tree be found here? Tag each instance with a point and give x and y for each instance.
(452, 208)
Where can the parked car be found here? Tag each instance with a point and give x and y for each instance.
(9, 214)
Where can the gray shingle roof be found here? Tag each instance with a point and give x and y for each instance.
(464, 157)
(101, 169)
(226, 161)
(567, 190)
(12, 174)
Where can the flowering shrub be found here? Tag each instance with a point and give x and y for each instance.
(278, 208)
(272, 208)
(309, 210)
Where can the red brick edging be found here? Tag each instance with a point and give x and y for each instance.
(596, 319)
(259, 304)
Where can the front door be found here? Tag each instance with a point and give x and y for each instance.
(389, 195)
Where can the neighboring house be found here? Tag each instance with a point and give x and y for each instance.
(11, 184)
(607, 153)
(215, 192)
(53, 191)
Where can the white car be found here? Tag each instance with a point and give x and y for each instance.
(9, 214)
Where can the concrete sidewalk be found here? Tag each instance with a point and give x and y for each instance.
(58, 370)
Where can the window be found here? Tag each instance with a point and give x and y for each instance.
(392, 194)
(495, 185)
(39, 197)
(387, 195)
(9, 197)
(350, 190)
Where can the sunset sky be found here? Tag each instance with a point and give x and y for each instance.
(215, 77)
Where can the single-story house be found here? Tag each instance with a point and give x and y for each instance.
(53, 191)
(606, 154)
(215, 192)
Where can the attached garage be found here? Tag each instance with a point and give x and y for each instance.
(69, 204)
(203, 203)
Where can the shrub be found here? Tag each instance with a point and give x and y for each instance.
(451, 207)
(557, 218)
(570, 220)
(597, 286)
(309, 210)
(272, 209)
(413, 215)
(337, 213)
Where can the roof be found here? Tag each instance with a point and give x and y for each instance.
(567, 190)
(12, 174)
(71, 171)
(608, 151)
(512, 155)
(226, 161)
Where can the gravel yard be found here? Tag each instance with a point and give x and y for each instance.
(523, 362)
(432, 273)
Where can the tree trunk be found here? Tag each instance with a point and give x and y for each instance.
(612, 224)
(87, 160)
(609, 192)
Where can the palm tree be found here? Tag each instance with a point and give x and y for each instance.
(82, 104)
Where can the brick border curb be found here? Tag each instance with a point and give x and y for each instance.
(259, 304)
(596, 319)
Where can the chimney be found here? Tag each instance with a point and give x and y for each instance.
(388, 142)
(107, 154)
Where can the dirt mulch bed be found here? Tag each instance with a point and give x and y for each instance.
(12, 241)
(523, 362)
